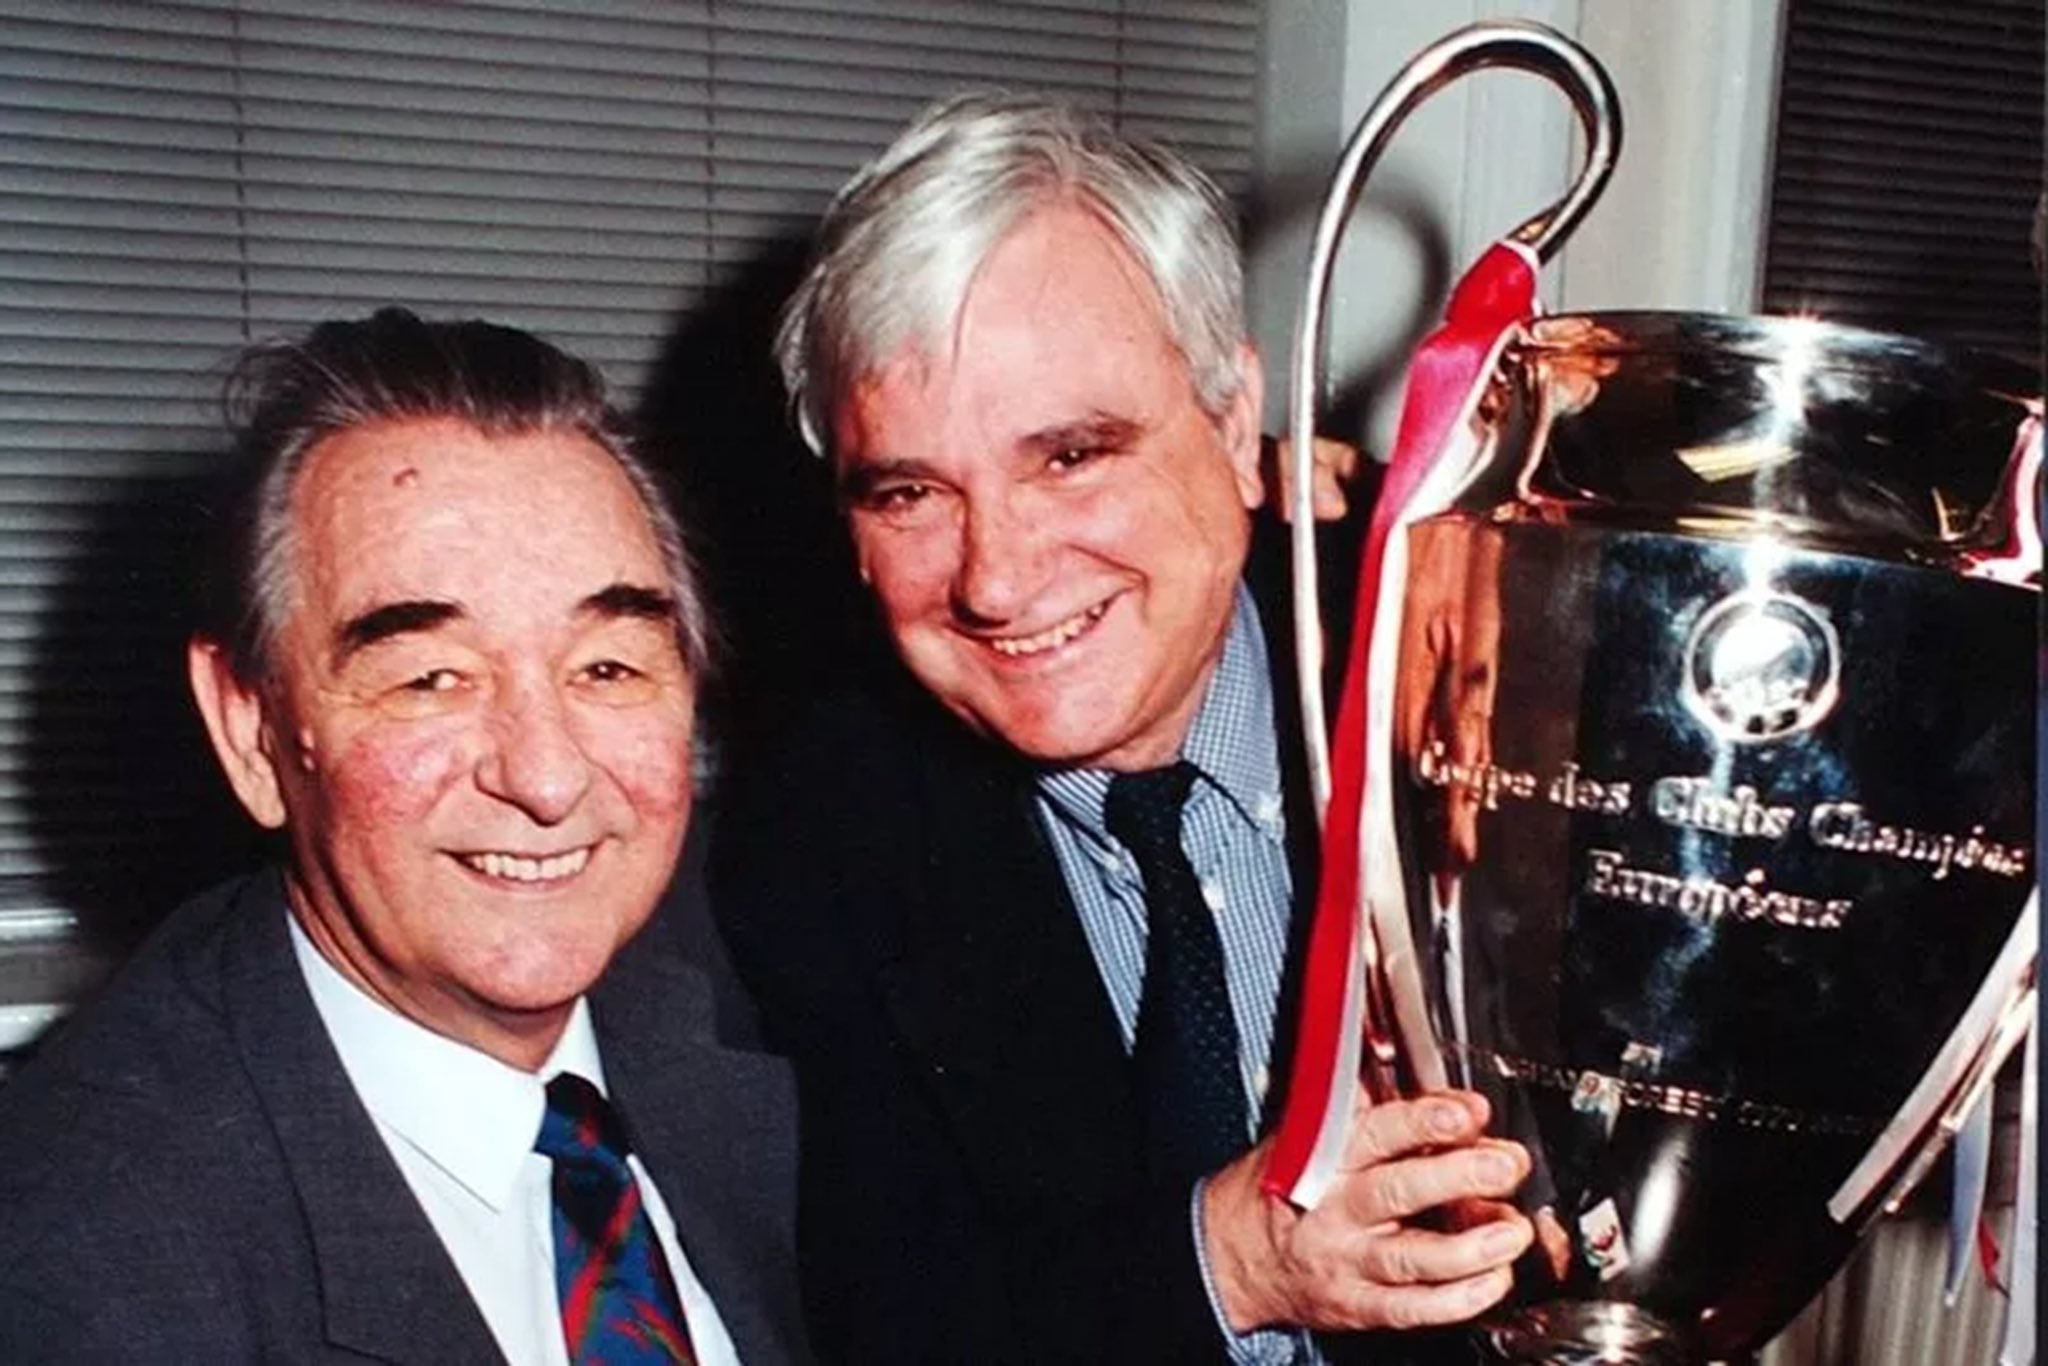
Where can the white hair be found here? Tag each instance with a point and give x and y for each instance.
(901, 242)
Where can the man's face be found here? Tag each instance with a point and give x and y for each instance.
(477, 732)
(1053, 525)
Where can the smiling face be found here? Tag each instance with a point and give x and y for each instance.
(477, 726)
(1053, 526)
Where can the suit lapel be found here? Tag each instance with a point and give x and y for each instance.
(989, 978)
(388, 1288)
(714, 1127)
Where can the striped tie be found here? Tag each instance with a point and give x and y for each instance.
(619, 1302)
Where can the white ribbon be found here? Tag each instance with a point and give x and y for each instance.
(2019, 1274)
(1966, 1196)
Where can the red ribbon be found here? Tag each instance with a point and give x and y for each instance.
(1449, 370)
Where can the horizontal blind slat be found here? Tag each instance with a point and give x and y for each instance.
(177, 177)
(1896, 201)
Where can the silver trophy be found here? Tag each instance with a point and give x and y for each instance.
(1703, 740)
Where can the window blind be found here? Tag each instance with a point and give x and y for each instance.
(1909, 164)
(179, 178)
(1908, 167)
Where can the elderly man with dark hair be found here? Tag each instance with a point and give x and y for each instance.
(427, 1093)
(1028, 922)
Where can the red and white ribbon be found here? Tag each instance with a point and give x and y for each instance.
(1361, 990)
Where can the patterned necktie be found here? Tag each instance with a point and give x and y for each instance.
(618, 1301)
(1189, 1088)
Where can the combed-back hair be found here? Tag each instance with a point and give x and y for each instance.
(284, 398)
(901, 242)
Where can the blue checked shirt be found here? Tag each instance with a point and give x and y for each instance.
(1234, 829)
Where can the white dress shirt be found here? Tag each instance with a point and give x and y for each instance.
(461, 1126)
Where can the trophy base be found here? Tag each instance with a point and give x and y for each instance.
(1584, 1333)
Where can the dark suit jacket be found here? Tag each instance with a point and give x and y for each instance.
(970, 1183)
(186, 1174)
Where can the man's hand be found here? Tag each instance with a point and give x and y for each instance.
(1363, 1259)
(1336, 469)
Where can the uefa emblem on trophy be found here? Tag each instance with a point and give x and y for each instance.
(1680, 795)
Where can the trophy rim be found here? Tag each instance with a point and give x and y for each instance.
(1816, 343)
(1818, 433)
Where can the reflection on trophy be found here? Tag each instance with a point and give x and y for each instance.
(1684, 804)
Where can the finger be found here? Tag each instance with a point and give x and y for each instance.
(1556, 1243)
(1383, 1130)
(1406, 1187)
(1329, 502)
(1427, 1306)
(1459, 1215)
(1335, 460)
(1421, 1256)
(1332, 465)
(1336, 465)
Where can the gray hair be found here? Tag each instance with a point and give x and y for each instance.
(285, 398)
(901, 242)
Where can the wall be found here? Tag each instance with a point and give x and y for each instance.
(1677, 227)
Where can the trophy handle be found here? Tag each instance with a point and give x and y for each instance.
(1516, 45)
(1996, 1022)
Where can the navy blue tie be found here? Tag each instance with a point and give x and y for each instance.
(1190, 1092)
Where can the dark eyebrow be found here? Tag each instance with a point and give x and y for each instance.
(630, 600)
(1098, 431)
(392, 619)
(403, 618)
(859, 479)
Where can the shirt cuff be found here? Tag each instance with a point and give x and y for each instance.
(1261, 1346)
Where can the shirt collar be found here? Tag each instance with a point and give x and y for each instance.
(469, 1114)
(1231, 741)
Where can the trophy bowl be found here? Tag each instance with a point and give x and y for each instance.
(1713, 789)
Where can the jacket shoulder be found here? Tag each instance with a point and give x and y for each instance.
(134, 1127)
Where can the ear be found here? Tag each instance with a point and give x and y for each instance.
(1239, 425)
(238, 725)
